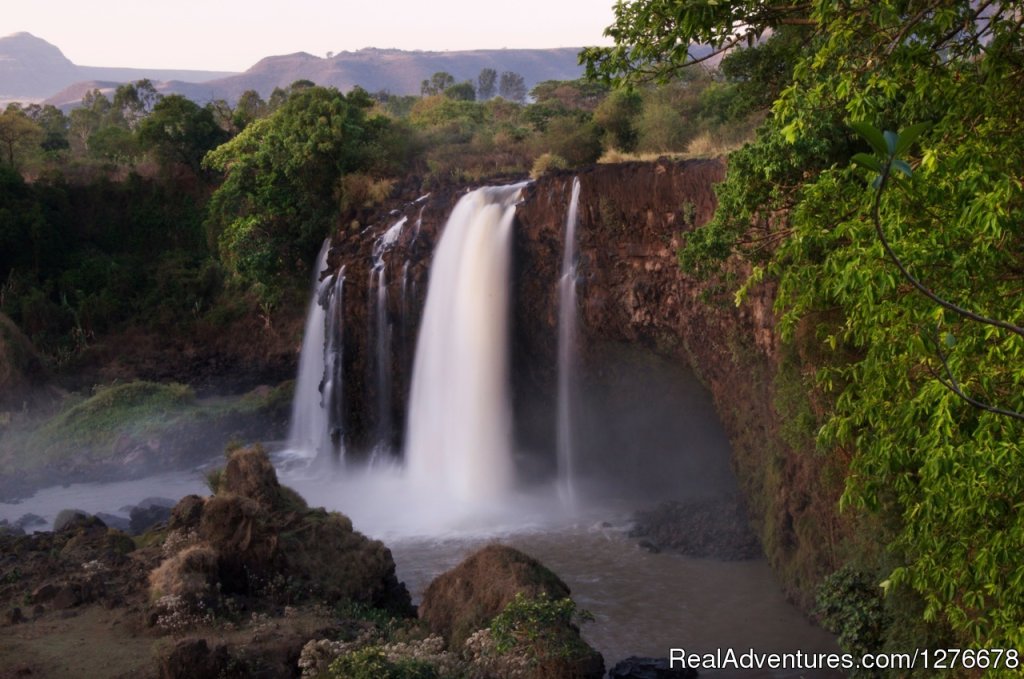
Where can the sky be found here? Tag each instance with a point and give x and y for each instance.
(232, 35)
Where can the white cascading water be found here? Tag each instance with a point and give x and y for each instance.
(309, 418)
(566, 350)
(459, 425)
(381, 337)
(334, 375)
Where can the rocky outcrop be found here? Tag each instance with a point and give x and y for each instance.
(466, 598)
(256, 537)
(536, 640)
(707, 529)
(635, 667)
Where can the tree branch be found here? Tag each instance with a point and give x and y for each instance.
(945, 304)
(954, 387)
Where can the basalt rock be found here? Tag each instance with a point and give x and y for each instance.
(635, 667)
(194, 659)
(461, 603)
(715, 529)
(466, 598)
(262, 538)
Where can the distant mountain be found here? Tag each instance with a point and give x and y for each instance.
(396, 71)
(31, 68)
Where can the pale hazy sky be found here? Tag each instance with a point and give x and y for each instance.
(233, 34)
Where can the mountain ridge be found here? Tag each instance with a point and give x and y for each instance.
(33, 69)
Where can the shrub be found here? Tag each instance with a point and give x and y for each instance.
(547, 162)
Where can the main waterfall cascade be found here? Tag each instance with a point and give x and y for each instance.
(460, 423)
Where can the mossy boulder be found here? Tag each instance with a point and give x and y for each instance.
(267, 542)
(466, 598)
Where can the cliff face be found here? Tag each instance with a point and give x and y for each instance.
(632, 219)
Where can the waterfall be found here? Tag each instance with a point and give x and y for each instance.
(383, 361)
(309, 418)
(459, 431)
(380, 364)
(334, 375)
(566, 349)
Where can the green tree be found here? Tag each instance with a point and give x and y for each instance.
(282, 174)
(19, 136)
(947, 475)
(54, 123)
(133, 102)
(511, 86)
(462, 92)
(486, 83)
(87, 119)
(179, 131)
(250, 106)
(437, 84)
(617, 116)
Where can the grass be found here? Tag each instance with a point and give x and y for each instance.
(94, 427)
(136, 409)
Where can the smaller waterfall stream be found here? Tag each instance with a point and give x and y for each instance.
(567, 350)
(380, 365)
(309, 418)
(334, 373)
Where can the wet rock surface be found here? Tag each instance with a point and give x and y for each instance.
(714, 529)
(636, 667)
(466, 598)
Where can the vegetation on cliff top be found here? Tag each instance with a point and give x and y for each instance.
(942, 476)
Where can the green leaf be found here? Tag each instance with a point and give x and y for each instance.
(950, 340)
(909, 135)
(872, 135)
(891, 138)
(867, 160)
(902, 166)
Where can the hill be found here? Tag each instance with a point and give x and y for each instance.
(32, 69)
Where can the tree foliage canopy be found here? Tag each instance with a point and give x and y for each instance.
(951, 474)
(281, 187)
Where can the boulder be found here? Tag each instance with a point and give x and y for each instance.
(187, 513)
(144, 517)
(263, 535)
(711, 529)
(70, 519)
(466, 598)
(635, 667)
(194, 659)
(114, 521)
(249, 473)
(30, 520)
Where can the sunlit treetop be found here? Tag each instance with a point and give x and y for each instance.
(656, 38)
